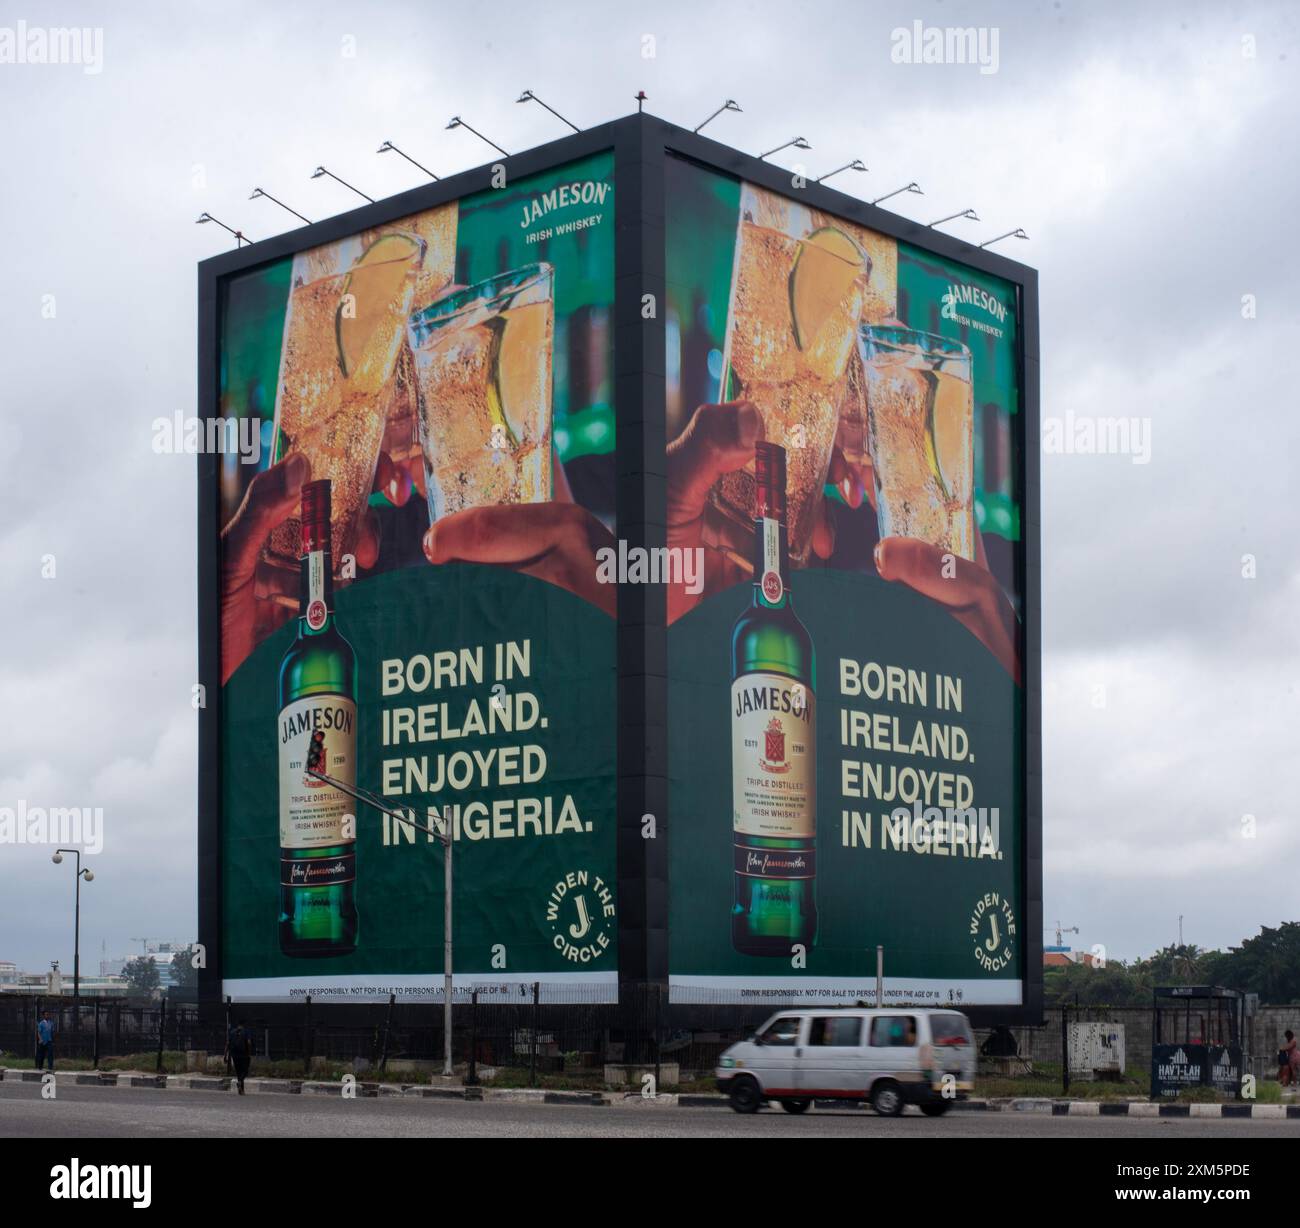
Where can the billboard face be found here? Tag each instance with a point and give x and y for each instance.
(408, 607)
(846, 712)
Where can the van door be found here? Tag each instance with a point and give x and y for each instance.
(773, 1060)
(830, 1062)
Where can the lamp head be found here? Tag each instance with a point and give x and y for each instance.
(58, 857)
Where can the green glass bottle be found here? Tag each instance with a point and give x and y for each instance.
(773, 742)
(318, 689)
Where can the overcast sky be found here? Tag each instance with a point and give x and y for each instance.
(1150, 152)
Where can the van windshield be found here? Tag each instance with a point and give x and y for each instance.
(784, 1031)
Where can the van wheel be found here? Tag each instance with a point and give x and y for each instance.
(936, 1109)
(887, 1098)
(745, 1096)
(796, 1106)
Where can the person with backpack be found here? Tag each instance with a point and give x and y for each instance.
(239, 1050)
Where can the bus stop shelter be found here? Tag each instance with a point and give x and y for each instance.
(1197, 1039)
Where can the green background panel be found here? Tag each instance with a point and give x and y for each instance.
(501, 886)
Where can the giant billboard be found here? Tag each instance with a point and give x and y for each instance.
(409, 597)
(846, 703)
(784, 600)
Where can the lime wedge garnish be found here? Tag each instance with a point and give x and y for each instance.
(517, 380)
(825, 269)
(369, 292)
(948, 442)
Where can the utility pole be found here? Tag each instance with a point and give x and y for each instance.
(443, 837)
(446, 944)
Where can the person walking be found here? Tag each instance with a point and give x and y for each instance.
(1288, 1060)
(45, 1041)
(239, 1050)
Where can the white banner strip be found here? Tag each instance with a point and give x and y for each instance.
(842, 991)
(424, 987)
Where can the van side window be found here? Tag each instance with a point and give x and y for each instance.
(895, 1031)
(784, 1031)
(842, 1031)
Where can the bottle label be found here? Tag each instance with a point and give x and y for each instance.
(311, 811)
(775, 863)
(773, 589)
(773, 757)
(317, 611)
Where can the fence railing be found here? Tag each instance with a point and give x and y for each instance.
(530, 1032)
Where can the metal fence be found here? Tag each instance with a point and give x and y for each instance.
(534, 1032)
(526, 1030)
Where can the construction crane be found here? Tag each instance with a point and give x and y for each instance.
(1061, 930)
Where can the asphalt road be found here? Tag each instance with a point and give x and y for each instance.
(93, 1112)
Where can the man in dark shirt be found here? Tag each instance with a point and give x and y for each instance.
(239, 1051)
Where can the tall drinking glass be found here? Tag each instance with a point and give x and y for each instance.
(921, 434)
(482, 359)
(342, 334)
(795, 304)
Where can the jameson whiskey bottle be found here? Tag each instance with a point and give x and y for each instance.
(773, 741)
(318, 687)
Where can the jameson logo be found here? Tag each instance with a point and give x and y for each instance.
(793, 700)
(957, 296)
(588, 192)
(311, 719)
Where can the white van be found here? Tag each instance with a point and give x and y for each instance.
(891, 1057)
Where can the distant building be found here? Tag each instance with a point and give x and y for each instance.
(1064, 957)
(8, 972)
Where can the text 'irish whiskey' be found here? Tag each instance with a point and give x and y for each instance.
(773, 742)
(318, 688)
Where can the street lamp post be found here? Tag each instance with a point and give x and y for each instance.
(76, 931)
